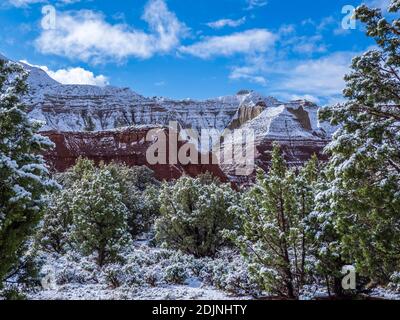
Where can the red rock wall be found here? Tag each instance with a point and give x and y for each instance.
(126, 146)
(129, 146)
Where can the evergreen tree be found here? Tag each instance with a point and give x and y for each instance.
(100, 217)
(82, 168)
(274, 237)
(138, 188)
(54, 234)
(55, 230)
(362, 191)
(325, 244)
(136, 185)
(193, 216)
(24, 178)
(306, 188)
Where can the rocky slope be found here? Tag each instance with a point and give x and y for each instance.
(91, 108)
(79, 109)
(293, 125)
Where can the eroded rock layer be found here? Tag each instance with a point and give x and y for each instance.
(87, 121)
(127, 146)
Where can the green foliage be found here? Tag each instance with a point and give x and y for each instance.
(176, 274)
(325, 240)
(55, 230)
(273, 238)
(100, 217)
(24, 178)
(12, 294)
(361, 194)
(135, 188)
(193, 216)
(83, 168)
(139, 190)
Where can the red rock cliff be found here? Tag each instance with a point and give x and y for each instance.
(128, 146)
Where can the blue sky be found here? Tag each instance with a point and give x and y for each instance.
(186, 48)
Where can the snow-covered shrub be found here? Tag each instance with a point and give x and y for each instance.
(152, 276)
(136, 185)
(113, 276)
(100, 217)
(71, 268)
(193, 215)
(116, 275)
(229, 272)
(176, 273)
(313, 291)
(69, 275)
(146, 267)
(395, 282)
(198, 266)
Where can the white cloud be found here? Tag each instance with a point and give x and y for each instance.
(381, 4)
(308, 45)
(256, 4)
(87, 36)
(247, 42)
(226, 23)
(25, 3)
(244, 74)
(317, 80)
(252, 71)
(74, 76)
(321, 79)
(77, 76)
(318, 77)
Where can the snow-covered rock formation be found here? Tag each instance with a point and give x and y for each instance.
(91, 108)
(85, 108)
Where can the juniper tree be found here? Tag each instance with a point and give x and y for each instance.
(100, 217)
(24, 178)
(82, 168)
(138, 188)
(136, 185)
(325, 244)
(193, 215)
(54, 234)
(273, 238)
(306, 187)
(363, 187)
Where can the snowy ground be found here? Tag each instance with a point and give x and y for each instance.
(166, 292)
(147, 273)
(385, 294)
(102, 292)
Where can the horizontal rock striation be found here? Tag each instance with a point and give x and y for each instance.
(127, 146)
(82, 121)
